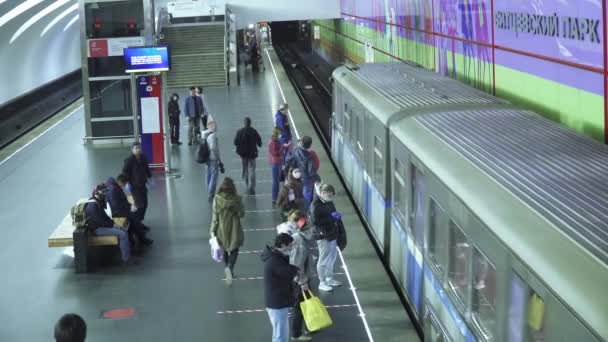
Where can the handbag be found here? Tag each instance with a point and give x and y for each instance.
(314, 312)
(216, 250)
(342, 239)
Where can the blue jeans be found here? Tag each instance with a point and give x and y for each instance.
(280, 324)
(212, 174)
(308, 188)
(276, 175)
(328, 253)
(123, 239)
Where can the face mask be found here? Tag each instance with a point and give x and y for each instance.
(296, 175)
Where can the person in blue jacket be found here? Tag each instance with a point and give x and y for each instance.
(282, 122)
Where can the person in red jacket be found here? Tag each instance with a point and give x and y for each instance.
(275, 158)
(316, 163)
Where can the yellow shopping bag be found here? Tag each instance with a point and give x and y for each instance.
(536, 312)
(314, 312)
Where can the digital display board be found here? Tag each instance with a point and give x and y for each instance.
(149, 58)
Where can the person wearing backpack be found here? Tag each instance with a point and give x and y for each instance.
(247, 141)
(302, 159)
(174, 111)
(226, 226)
(214, 163)
(325, 219)
(98, 222)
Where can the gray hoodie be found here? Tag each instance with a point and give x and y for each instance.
(212, 141)
(301, 256)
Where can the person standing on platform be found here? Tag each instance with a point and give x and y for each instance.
(174, 112)
(282, 122)
(291, 195)
(247, 141)
(275, 159)
(302, 159)
(226, 226)
(205, 113)
(193, 109)
(214, 164)
(279, 285)
(137, 170)
(325, 219)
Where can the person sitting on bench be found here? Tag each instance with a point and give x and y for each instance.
(100, 224)
(121, 207)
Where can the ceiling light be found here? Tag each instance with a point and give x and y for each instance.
(58, 18)
(37, 17)
(71, 22)
(12, 14)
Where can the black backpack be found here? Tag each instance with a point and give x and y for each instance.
(203, 152)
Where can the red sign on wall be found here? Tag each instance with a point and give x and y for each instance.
(98, 48)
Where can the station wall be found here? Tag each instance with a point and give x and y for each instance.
(31, 59)
(547, 56)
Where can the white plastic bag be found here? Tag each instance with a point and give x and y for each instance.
(216, 250)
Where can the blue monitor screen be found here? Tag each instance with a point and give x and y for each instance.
(142, 59)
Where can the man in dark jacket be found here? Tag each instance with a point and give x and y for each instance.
(121, 207)
(302, 159)
(174, 111)
(137, 171)
(247, 141)
(279, 277)
(100, 224)
(325, 219)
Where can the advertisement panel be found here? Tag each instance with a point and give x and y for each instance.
(112, 46)
(149, 92)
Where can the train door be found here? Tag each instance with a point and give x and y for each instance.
(415, 243)
(337, 127)
(378, 169)
(398, 235)
(348, 158)
(358, 144)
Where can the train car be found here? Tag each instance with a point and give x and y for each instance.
(367, 98)
(500, 229)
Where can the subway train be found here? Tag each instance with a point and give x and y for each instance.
(493, 220)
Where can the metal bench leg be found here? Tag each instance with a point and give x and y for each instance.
(81, 246)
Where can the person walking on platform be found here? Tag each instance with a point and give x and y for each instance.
(279, 285)
(214, 164)
(193, 109)
(247, 141)
(301, 257)
(325, 219)
(226, 226)
(205, 113)
(302, 159)
(70, 328)
(174, 112)
(100, 224)
(120, 206)
(137, 170)
(275, 159)
(291, 195)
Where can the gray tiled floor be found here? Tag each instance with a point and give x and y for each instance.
(175, 287)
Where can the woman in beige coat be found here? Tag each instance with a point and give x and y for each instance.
(226, 224)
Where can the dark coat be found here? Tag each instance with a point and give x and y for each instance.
(302, 159)
(283, 198)
(325, 224)
(279, 277)
(117, 199)
(173, 108)
(247, 141)
(96, 216)
(137, 170)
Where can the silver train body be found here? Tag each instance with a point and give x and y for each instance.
(493, 219)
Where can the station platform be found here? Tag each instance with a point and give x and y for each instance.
(174, 288)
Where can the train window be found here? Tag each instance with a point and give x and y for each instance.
(460, 255)
(417, 205)
(359, 134)
(379, 162)
(517, 309)
(399, 193)
(436, 245)
(483, 300)
(346, 129)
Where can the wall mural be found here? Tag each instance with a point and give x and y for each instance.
(546, 55)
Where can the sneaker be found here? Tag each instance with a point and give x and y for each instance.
(179, 143)
(302, 338)
(324, 287)
(333, 282)
(228, 274)
(146, 241)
